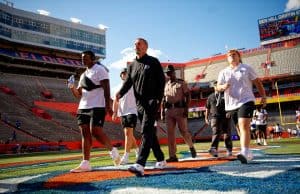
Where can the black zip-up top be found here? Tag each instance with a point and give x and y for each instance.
(147, 78)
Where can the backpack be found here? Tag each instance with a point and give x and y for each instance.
(88, 84)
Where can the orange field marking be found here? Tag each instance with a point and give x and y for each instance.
(102, 175)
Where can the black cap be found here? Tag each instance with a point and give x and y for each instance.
(124, 70)
(170, 68)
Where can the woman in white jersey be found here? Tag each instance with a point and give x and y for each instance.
(125, 108)
(236, 81)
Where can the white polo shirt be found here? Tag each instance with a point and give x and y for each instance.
(260, 115)
(240, 91)
(94, 98)
(127, 104)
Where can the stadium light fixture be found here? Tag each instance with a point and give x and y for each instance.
(75, 20)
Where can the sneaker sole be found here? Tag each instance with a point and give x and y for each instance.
(136, 172)
(242, 159)
(213, 155)
(81, 170)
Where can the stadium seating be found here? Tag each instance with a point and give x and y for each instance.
(20, 94)
(6, 132)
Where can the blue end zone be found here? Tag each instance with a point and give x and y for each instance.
(266, 174)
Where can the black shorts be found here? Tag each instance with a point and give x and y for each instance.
(245, 111)
(129, 120)
(262, 128)
(93, 116)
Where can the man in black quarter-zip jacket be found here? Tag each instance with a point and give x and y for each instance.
(146, 76)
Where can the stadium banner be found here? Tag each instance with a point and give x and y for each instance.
(280, 27)
(40, 57)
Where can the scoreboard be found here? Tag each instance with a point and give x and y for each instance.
(285, 26)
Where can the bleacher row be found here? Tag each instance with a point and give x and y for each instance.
(28, 89)
(287, 62)
(62, 126)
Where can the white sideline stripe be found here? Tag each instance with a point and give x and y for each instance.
(11, 185)
(278, 160)
(256, 174)
(143, 190)
(262, 173)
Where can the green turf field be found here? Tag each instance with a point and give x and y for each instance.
(64, 161)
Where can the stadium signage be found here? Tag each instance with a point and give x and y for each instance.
(40, 57)
(279, 17)
(48, 59)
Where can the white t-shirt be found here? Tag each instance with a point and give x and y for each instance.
(298, 115)
(260, 114)
(94, 98)
(253, 124)
(240, 91)
(278, 129)
(127, 104)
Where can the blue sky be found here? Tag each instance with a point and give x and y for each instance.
(177, 30)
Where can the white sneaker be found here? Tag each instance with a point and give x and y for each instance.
(258, 141)
(265, 142)
(245, 158)
(114, 154)
(137, 169)
(83, 167)
(124, 159)
(160, 165)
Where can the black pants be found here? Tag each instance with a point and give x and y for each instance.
(221, 126)
(147, 112)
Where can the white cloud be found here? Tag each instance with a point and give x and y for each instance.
(128, 54)
(103, 27)
(292, 5)
(43, 12)
(155, 53)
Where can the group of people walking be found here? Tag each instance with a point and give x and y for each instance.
(145, 91)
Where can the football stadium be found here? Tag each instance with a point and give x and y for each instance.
(41, 142)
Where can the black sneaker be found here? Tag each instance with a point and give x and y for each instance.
(172, 159)
(242, 158)
(193, 152)
(213, 152)
(137, 169)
